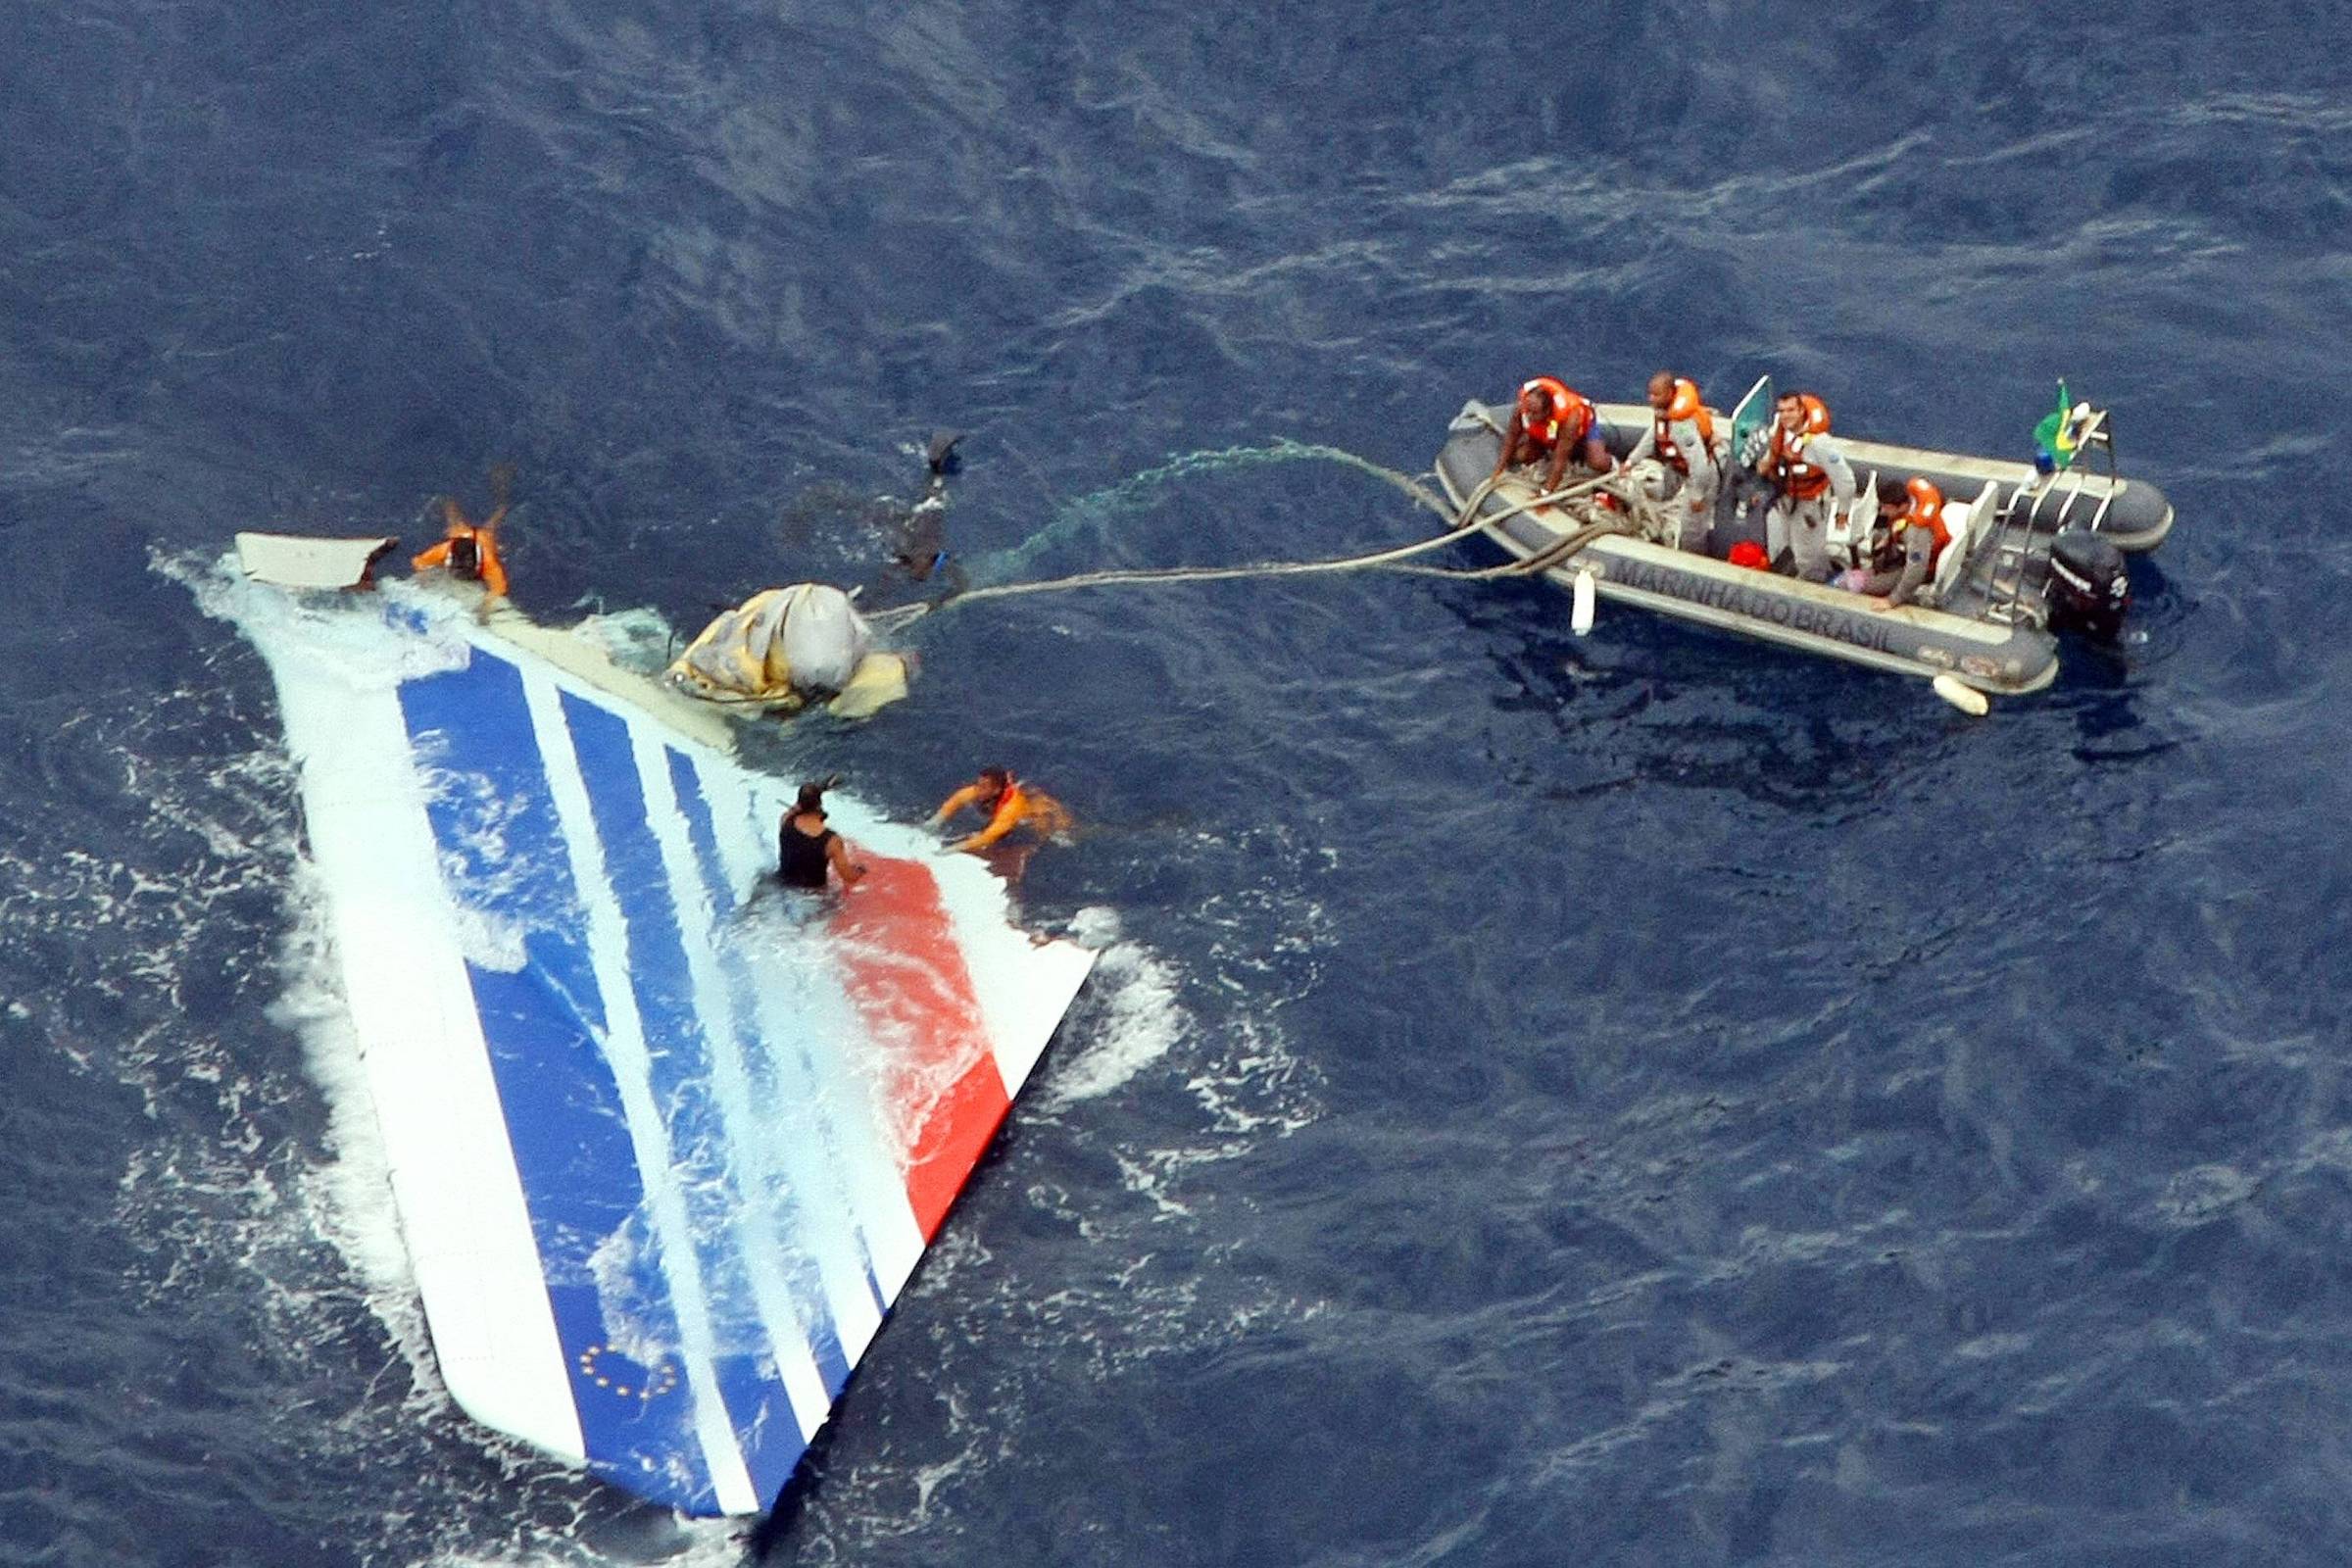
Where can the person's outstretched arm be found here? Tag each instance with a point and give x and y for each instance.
(1511, 444)
(969, 795)
(1008, 817)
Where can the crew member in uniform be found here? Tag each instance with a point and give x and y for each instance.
(1681, 438)
(1553, 420)
(1812, 476)
(1920, 535)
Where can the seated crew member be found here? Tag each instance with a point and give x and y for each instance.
(1682, 437)
(1551, 421)
(1920, 534)
(806, 849)
(469, 550)
(1007, 804)
(1812, 475)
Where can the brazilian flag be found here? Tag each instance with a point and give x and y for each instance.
(2054, 436)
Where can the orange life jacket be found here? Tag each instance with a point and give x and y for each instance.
(1926, 511)
(1010, 798)
(1567, 416)
(476, 559)
(1788, 466)
(1685, 405)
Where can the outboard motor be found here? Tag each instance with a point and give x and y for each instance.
(2090, 586)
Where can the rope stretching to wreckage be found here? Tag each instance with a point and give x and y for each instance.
(1390, 559)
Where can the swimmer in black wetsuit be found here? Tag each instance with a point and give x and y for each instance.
(806, 846)
(920, 547)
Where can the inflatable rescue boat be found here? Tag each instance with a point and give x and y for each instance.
(665, 1139)
(2033, 554)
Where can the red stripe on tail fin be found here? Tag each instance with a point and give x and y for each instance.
(911, 985)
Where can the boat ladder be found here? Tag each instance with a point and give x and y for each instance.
(2013, 586)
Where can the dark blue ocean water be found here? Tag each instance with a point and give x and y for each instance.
(1637, 1100)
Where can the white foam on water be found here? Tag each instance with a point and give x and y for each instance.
(360, 651)
(1258, 1086)
(1139, 1019)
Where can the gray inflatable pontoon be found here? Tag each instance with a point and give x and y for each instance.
(1989, 618)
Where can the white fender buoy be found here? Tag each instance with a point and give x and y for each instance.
(1961, 695)
(1580, 619)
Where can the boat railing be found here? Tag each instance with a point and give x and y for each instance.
(2037, 513)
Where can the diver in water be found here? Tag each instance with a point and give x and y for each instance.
(806, 849)
(909, 538)
(1007, 804)
(469, 550)
(920, 545)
